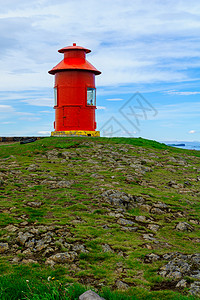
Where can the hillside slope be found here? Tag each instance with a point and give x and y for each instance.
(112, 212)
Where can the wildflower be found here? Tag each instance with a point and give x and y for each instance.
(53, 278)
(49, 278)
(27, 280)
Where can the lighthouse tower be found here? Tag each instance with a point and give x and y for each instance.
(74, 94)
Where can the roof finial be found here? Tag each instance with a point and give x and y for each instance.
(74, 44)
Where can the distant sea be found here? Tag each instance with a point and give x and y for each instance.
(188, 145)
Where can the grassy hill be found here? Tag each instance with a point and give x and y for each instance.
(120, 215)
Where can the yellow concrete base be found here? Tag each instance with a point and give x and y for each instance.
(75, 133)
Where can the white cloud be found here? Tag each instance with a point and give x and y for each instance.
(101, 107)
(39, 102)
(115, 99)
(6, 108)
(45, 132)
(189, 93)
(192, 131)
(135, 43)
(46, 112)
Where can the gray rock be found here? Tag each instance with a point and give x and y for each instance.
(52, 154)
(16, 260)
(62, 257)
(151, 257)
(121, 199)
(145, 207)
(90, 295)
(175, 275)
(182, 283)
(160, 205)
(131, 229)
(64, 184)
(97, 176)
(34, 204)
(3, 247)
(11, 228)
(23, 237)
(107, 248)
(121, 285)
(153, 227)
(183, 226)
(40, 245)
(140, 219)
(30, 244)
(32, 168)
(195, 289)
(79, 248)
(122, 221)
(148, 237)
(27, 252)
(156, 210)
(29, 261)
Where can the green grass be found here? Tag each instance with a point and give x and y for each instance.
(80, 216)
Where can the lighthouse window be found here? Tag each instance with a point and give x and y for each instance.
(91, 96)
(55, 96)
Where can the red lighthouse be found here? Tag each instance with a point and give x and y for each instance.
(74, 94)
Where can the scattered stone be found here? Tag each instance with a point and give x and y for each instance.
(122, 221)
(40, 245)
(34, 204)
(140, 219)
(90, 295)
(153, 227)
(193, 221)
(121, 199)
(107, 248)
(195, 289)
(23, 237)
(16, 260)
(79, 248)
(148, 237)
(32, 168)
(156, 210)
(182, 283)
(97, 176)
(131, 229)
(62, 257)
(27, 252)
(183, 226)
(3, 247)
(64, 184)
(24, 223)
(145, 207)
(121, 285)
(11, 228)
(151, 257)
(29, 261)
(30, 244)
(160, 205)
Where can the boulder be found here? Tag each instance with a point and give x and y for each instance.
(121, 285)
(3, 247)
(183, 226)
(65, 257)
(90, 295)
(23, 237)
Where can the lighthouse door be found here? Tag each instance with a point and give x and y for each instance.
(71, 117)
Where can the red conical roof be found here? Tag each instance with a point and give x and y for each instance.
(74, 60)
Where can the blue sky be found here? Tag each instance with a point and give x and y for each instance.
(151, 47)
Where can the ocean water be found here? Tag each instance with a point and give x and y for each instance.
(188, 145)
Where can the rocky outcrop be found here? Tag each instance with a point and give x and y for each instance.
(180, 268)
